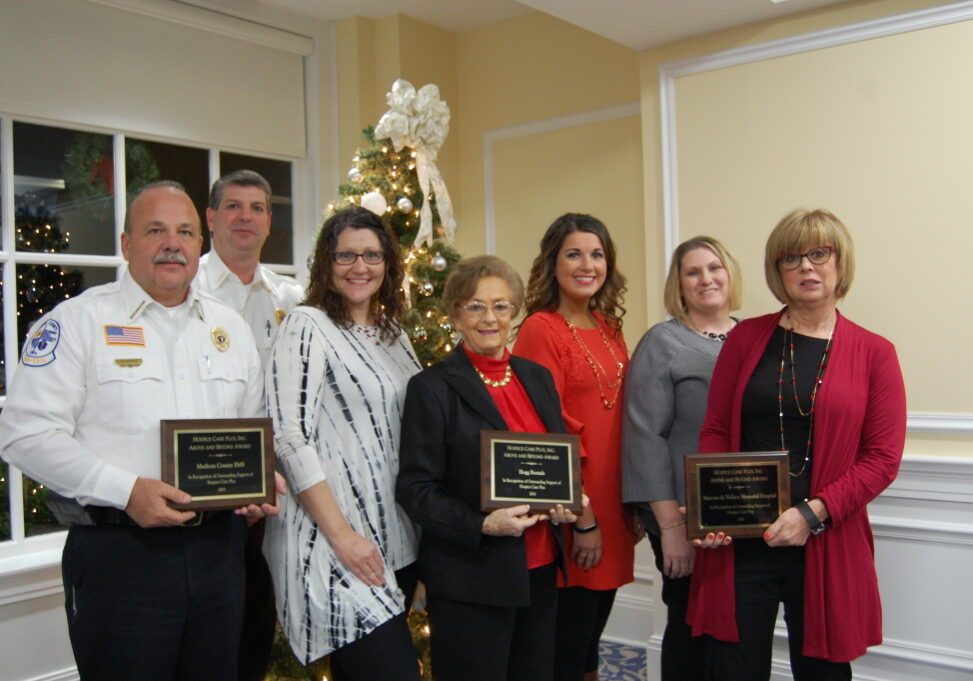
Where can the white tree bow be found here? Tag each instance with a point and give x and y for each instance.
(421, 120)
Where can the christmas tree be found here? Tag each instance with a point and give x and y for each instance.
(386, 182)
(39, 288)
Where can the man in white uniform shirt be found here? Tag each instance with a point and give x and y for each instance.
(146, 596)
(239, 222)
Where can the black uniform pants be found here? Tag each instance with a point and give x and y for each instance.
(155, 605)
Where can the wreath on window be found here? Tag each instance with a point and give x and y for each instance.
(89, 171)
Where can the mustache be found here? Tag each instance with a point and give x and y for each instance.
(170, 256)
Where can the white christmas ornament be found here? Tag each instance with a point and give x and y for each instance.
(404, 204)
(421, 120)
(439, 262)
(375, 202)
(354, 175)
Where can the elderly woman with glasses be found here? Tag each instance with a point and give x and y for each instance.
(342, 554)
(809, 381)
(490, 577)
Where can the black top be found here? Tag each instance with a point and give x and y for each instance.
(760, 424)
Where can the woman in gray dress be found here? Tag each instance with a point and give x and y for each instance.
(664, 409)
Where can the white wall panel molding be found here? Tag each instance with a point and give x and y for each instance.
(940, 423)
(670, 71)
(923, 528)
(491, 137)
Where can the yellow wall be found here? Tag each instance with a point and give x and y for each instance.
(521, 71)
(529, 70)
(372, 54)
(874, 130)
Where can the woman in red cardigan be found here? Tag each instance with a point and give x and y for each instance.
(809, 381)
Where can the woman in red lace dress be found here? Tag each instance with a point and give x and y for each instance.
(573, 327)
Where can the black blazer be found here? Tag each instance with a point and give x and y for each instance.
(446, 407)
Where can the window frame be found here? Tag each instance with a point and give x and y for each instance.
(20, 553)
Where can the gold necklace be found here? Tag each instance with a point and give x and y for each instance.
(814, 394)
(507, 375)
(601, 377)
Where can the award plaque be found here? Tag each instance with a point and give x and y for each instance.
(538, 469)
(738, 494)
(222, 463)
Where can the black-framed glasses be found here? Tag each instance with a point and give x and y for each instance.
(817, 256)
(502, 308)
(368, 257)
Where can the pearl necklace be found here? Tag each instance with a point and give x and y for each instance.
(507, 375)
(604, 383)
(814, 394)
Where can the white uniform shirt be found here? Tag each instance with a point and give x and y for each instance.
(263, 302)
(99, 372)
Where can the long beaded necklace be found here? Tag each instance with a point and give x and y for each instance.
(605, 384)
(507, 375)
(785, 346)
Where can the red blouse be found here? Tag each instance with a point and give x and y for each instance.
(518, 411)
(547, 339)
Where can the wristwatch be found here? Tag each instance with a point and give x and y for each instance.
(816, 524)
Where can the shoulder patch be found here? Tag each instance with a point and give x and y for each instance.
(39, 348)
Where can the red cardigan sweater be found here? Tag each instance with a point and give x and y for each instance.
(859, 434)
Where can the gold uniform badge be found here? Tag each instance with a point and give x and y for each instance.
(221, 338)
(280, 314)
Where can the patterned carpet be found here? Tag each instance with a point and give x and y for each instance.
(620, 662)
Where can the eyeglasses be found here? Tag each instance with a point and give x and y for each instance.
(502, 309)
(817, 256)
(368, 257)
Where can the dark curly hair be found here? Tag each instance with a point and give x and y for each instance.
(543, 292)
(388, 303)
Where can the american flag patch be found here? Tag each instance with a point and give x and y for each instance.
(124, 335)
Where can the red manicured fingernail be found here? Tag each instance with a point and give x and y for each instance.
(766, 535)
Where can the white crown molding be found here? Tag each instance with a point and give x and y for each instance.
(216, 22)
(843, 35)
(490, 137)
(940, 423)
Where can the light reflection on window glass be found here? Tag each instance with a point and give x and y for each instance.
(64, 179)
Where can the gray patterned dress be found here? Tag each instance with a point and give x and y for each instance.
(336, 398)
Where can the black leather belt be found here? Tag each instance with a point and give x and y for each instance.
(106, 515)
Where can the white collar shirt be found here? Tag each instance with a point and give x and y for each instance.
(101, 370)
(263, 302)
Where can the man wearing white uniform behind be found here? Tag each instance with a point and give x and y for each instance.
(239, 222)
(151, 593)
(238, 217)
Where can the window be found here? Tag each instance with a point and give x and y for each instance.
(59, 235)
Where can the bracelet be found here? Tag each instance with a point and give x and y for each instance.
(585, 530)
(674, 525)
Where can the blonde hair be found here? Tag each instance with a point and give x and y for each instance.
(672, 294)
(802, 229)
